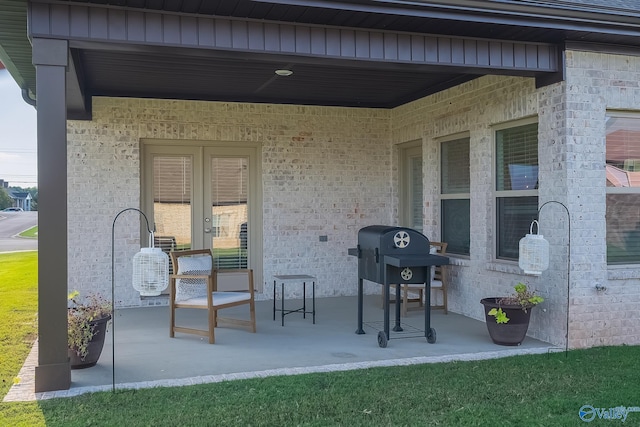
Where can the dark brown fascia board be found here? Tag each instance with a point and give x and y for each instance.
(503, 13)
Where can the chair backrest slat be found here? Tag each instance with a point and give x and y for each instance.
(239, 280)
(441, 249)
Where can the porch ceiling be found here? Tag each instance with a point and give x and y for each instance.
(157, 75)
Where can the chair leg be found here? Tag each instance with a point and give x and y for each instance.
(252, 310)
(444, 299)
(172, 322)
(212, 320)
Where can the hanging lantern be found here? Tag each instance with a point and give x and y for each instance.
(150, 271)
(534, 252)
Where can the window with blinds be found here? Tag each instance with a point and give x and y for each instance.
(229, 213)
(623, 187)
(516, 186)
(416, 192)
(172, 201)
(411, 188)
(455, 195)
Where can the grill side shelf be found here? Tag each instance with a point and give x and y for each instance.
(355, 252)
(415, 260)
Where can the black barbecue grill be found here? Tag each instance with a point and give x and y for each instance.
(391, 256)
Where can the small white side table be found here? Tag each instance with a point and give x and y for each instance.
(295, 278)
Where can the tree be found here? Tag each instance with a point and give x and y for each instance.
(5, 200)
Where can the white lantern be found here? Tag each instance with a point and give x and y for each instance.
(150, 271)
(534, 252)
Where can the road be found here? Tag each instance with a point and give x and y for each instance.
(14, 223)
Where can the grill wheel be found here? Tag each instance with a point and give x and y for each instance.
(382, 339)
(431, 336)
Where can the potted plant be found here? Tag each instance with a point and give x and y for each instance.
(508, 317)
(86, 328)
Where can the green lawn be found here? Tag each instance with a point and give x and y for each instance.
(537, 390)
(30, 233)
(18, 308)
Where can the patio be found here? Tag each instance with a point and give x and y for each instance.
(145, 356)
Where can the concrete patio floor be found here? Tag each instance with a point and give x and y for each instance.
(145, 356)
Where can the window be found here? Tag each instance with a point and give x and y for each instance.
(454, 198)
(410, 209)
(623, 188)
(516, 186)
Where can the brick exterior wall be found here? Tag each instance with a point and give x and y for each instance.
(330, 171)
(596, 83)
(325, 171)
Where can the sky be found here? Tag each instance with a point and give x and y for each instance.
(18, 141)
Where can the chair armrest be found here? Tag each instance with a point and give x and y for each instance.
(190, 276)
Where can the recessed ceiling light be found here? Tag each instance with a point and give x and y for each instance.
(284, 73)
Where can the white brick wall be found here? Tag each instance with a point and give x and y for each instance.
(325, 172)
(330, 171)
(597, 82)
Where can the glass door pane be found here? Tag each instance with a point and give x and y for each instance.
(172, 202)
(415, 192)
(229, 189)
(410, 180)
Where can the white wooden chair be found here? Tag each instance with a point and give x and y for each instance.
(194, 285)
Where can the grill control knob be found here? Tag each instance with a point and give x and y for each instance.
(406, 274)
(401, 239)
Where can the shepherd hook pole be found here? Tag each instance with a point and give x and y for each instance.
(566, 348)
(113, 292)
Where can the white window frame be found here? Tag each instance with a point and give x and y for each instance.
(406, 151)
(507, 193)
(453, 196)
(620, 190)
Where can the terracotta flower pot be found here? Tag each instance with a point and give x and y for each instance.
(515, 330)
(94, 348)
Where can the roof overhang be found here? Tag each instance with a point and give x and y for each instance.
(367, 53)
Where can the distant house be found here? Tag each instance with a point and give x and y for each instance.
(275, 130)
(20, 199)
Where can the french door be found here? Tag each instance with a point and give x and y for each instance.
(205, 196)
